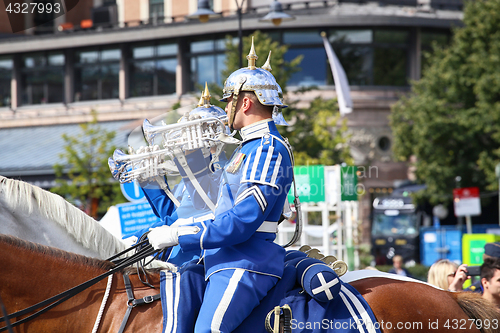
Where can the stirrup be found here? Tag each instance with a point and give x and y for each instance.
(282, 320)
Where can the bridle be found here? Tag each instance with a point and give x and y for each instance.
(44, 306)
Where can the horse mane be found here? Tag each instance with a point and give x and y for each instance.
(56, 253)
(478, 308)
(86, 230)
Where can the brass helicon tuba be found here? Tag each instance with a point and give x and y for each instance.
(201, 128)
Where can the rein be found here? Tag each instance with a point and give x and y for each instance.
(64, 296)
(4, 312)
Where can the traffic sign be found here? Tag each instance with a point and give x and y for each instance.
(466, 201)
(135, 216)
(132, 191)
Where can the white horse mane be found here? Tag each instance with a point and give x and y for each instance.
(86, 230)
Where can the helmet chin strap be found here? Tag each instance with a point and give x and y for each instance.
(236, 94)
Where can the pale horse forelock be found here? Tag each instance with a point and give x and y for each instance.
(81, 226)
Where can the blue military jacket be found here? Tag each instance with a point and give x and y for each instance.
(190, 204)
(253, 188)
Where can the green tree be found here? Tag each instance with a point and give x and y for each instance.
(263, 43)
(84, 178)
(317, 135)
(281, 69)
(450, 120)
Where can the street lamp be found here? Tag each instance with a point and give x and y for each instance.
(440, 212)
(276, 16)
(204, 13)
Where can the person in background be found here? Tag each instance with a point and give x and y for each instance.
(490, 280)
(447, 275)
(398, 268)
(491, 250)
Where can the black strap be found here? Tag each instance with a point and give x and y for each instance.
(141, 242)
(132, 302)
(4, 314)
(58, 299)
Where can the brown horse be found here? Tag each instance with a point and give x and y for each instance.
(31, 273)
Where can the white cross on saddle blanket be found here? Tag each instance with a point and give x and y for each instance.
(325, 287)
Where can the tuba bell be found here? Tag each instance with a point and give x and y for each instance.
(204, 128)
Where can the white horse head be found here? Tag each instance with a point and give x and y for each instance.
(36, 215)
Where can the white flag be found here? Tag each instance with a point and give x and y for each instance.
(339, 78)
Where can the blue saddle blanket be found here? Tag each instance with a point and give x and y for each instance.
(345, 311)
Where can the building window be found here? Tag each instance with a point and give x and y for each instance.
(42, 77)
(390, 57)
(314, 66)
(43, 20)
(373, 57)
(153, 69)
(430, 38)
(6, 67)
(353, 48)
(369, 57)
(96, 74)
(207, 61)
(384, 143)
(156, 9)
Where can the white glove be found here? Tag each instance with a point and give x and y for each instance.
(165, 236)
(130, 241)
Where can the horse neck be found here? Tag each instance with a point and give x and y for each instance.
(38, 272)
(43, 217)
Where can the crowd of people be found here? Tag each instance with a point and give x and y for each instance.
(448, 275)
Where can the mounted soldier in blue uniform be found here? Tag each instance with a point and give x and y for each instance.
(241, 261)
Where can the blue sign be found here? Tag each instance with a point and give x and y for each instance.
(135, 216)
(132, 191)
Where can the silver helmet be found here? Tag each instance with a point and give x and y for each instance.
(258, 80)
(205, 110)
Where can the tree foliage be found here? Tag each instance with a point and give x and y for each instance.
(317, 135)
(84, 178)
(450, 120)
(281, 69)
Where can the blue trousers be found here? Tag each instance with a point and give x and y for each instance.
(230, 296)
(219, 305)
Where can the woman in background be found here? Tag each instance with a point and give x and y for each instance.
(447, 275)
